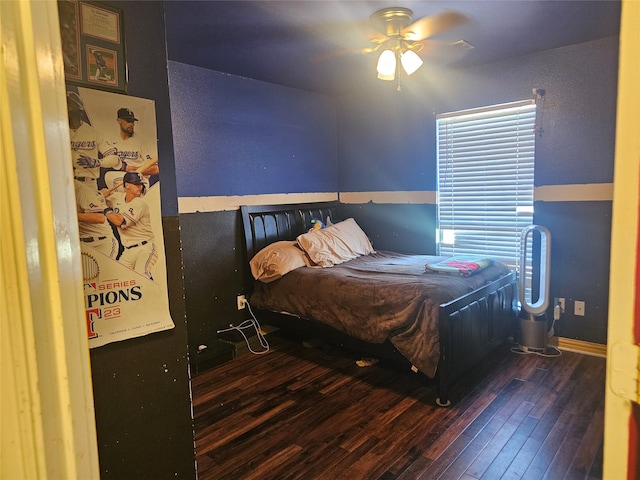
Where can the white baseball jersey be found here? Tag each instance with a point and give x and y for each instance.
(96, 235)
(131, 151)
(136, 234)
(85, 140)
(137, 226)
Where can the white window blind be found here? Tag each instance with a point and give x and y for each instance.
(485, 180)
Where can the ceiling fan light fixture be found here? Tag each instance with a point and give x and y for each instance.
(387, 65)
(401, 37)
(410, 61)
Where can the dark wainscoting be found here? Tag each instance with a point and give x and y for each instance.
(214, 271)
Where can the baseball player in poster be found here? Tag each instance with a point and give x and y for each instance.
(87, 146)
(93, 215)
(132, 216)
(131, 151)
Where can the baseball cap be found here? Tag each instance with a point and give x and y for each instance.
(127, 114)
(133, 177)
(74, 102)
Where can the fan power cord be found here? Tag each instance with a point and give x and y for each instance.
(251, 322)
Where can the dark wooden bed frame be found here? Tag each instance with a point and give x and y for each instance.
(470, 326)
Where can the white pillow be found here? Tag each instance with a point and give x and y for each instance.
(336, 244)
(276, 260)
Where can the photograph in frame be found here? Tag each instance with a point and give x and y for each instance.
(93, 46)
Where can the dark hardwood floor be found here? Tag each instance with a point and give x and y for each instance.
(300, 413)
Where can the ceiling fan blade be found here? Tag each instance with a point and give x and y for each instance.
(429, 26)
(443, 53)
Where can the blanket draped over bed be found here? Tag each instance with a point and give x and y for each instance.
(376, 297)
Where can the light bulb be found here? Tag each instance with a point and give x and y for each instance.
(410, 61)
(387, 65)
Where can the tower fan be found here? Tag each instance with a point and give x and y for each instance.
(534, 332)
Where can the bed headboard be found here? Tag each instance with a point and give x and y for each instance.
(264, 225)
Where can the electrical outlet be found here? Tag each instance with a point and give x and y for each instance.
(242, 302)
(559, 301)
(578, 308)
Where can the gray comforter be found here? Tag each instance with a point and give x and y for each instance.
(376, 297)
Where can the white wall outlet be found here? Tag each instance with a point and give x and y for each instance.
(242, 302)
(560, 302)
(578, 308)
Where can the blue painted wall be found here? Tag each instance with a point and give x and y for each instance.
(386, 141)
(387, 138)
(236, 136)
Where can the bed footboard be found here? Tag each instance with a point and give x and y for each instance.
(473, 325)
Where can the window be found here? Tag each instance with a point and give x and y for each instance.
(485, 180)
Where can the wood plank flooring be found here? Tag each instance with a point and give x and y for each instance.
(300, 413)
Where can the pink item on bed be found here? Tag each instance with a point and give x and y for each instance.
(464, 265)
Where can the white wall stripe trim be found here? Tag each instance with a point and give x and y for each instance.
(418, 198)
(588, 192)
(591, 192)
(220, 204)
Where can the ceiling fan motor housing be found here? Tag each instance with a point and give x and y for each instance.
(391, 21)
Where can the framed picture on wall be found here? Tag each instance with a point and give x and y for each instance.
(93, 45)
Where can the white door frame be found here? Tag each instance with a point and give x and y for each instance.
(623, 289)
(48, 422)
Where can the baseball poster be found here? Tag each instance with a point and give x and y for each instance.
(115, 169)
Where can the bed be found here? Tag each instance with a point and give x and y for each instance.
(381, 304)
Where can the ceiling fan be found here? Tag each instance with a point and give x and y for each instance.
(400, 38)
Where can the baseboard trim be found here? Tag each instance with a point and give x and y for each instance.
(580, 346)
